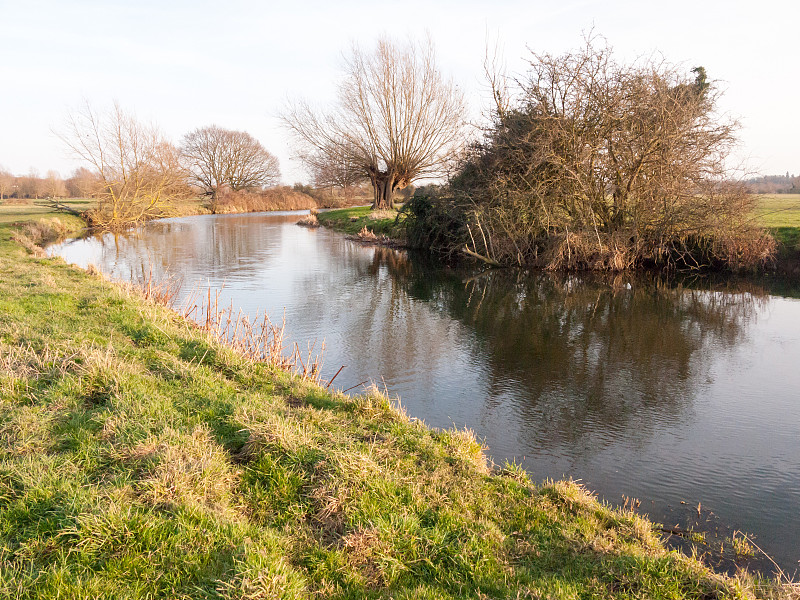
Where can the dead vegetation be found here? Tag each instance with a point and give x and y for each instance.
(278, 198)
(255, 338)
(34, 235)
(311, 221)
(590, 163)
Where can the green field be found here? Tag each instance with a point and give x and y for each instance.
(780, 214)
(779, 210)
(11, 211)
(139, 458)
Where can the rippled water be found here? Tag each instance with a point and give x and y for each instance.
(663, 391)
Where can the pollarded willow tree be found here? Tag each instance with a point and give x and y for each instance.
(396, 119)
(220, 159)
(593, 163)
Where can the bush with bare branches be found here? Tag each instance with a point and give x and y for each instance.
(596, 164)
(137, 170)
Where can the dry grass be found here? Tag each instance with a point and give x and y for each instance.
(279, 198)
(310, 221)
(257, 339)
(33, 235)
(377, 215)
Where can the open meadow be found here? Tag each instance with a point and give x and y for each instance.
(780, 213)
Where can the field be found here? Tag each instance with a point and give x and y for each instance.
(11, 211)
(779, 210)
(780, 213)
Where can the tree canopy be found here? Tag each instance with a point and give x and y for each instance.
(220, 159)
(396, 119)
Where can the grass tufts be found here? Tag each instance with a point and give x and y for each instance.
(142, 456)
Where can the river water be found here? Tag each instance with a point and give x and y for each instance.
(676, 393)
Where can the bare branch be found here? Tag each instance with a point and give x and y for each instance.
(219, 159)
(396, 119)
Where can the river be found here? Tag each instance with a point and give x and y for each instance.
(681, 394)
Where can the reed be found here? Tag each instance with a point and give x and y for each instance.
(258, 338)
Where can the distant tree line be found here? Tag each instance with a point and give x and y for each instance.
(774, 184)
(34, 186)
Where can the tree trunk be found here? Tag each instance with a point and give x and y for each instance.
(384, 185)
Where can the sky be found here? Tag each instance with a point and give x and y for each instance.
(184, 64)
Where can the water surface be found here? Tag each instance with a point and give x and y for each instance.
(659, 390)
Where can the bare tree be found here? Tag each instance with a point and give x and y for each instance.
(136, 167)
(220, 159)
(6, 183)
(397, 119)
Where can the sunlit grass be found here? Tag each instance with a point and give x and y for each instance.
(139, 458)
(353, 220)
(780, 213)
(779, 210)
(11, 210)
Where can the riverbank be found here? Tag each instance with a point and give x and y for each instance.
(780, 214)
(142, 458)
(353, 220)
(281, 198)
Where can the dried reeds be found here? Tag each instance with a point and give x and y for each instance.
(163, 291)
(309, 221)
(277, 198)
(257, 339)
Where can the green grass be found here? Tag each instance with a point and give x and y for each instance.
(353, 220)
(32, 209)
(139, 459)
(779, 210)
(780, 213)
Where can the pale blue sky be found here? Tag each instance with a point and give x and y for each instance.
(186, 64)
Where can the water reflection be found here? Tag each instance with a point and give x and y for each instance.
(663, 390)
(618, 356)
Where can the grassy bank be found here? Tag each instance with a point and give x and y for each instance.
(779, 213)
(353, 220)
(141, 459)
